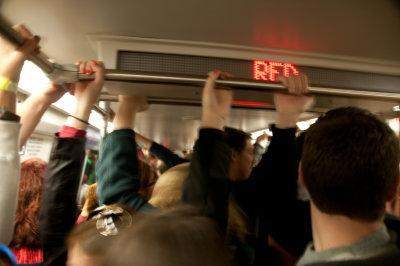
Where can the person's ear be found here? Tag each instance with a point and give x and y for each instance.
(234, 155)
(300, 173)
(393, 189)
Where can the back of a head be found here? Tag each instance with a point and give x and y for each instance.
(350, 162)
(89, 240)
(168, 191)
(176, 237)
(26, 234)
(235, 138)
(168, 188)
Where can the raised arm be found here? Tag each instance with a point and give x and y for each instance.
(288, 218)
(169, 158)
(59, 210)
(11, 62)
(117, 168)
(207, 185)
(34, 107)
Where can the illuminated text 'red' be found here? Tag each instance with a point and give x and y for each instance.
(264, 70)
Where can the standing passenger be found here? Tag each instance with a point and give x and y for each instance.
(59, 209)
(350, 167)
(26, 243)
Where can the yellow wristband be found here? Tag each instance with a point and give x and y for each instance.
(8, 85)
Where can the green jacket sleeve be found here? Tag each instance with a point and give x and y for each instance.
(117, 171)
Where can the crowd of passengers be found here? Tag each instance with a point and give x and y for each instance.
(220, 208)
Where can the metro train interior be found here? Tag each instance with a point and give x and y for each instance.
(345, 45)
(349, 50)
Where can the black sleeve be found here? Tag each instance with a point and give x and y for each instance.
(168, 157)
(59, 210)
(261, 187)
(286, 218)
(207, 186)
(7, 115)
(269, 196)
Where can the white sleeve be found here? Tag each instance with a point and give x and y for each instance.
(9, 177)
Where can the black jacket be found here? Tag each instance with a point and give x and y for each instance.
(59, 210)
(287, 219)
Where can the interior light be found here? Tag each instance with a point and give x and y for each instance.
(303, 125)
(32, 78)
(110, 127)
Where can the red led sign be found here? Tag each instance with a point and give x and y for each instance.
(264, 70)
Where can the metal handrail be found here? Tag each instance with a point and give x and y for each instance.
(128, 76)
(62, 74)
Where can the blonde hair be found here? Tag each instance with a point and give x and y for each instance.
(168, 191)
(91, 201)
(168, 188)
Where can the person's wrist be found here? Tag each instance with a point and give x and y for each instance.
(212, 121)
(82, 110)
(13, 66)
(6, 84)
(75, 122)
(286, 121)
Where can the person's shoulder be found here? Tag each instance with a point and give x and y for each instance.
(391, 258)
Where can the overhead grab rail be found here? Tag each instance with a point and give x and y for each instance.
(64, 74)
(128, 76)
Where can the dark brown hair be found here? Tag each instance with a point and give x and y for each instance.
(26, 234)
(350, 162)
(235, 138)
(177, 237)
(92, 236)
(148, 178)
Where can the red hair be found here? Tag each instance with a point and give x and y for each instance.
(26, 233)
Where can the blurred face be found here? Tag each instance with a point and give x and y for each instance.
(242, 163)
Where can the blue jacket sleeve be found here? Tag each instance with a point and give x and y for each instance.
(168, 157)
(117, 171)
